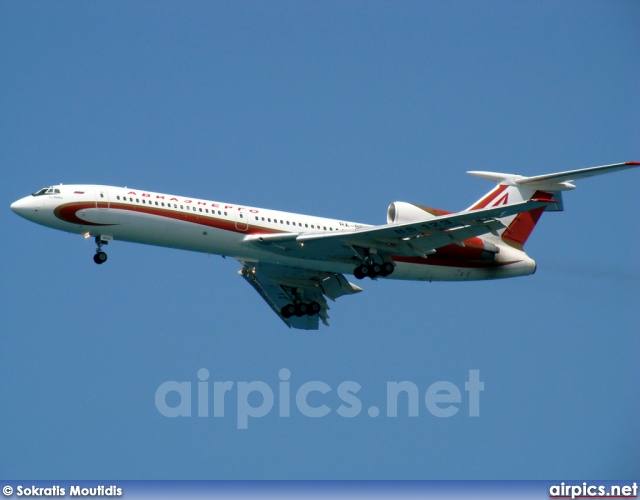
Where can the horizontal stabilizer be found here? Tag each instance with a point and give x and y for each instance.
(560, 178)
(559, 181)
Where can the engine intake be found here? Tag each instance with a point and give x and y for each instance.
(400, 211)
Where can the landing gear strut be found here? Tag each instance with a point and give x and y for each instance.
(100, 257)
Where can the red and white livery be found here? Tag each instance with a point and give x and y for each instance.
(295, 261)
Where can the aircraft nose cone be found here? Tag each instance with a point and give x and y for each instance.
(21, 207)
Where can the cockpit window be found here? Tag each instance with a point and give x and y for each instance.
(47, 190)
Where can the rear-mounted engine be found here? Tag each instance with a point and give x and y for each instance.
(400, 211)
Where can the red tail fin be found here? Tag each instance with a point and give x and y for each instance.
(522, 226)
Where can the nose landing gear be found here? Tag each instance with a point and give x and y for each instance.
(100, 257)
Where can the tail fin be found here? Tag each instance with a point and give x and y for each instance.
(517, 233)
(513, 188)
(518, 227)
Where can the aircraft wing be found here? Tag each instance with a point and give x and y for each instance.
(405, 239)
(280, 285)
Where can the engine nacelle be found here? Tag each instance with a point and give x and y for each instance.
(400, 211)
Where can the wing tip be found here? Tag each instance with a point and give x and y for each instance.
(634, 163)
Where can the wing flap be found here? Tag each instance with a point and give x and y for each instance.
(424, 246)
(277, 297)
(280, 285)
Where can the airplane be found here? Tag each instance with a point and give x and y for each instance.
(296, 262)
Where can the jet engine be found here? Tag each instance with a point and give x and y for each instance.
(400, 211)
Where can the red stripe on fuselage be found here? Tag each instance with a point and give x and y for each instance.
(448, 256)
(443, 261)
(472, 255)
(68, 213)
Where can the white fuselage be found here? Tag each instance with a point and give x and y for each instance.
(212, 227)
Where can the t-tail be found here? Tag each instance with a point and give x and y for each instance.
(514, 188)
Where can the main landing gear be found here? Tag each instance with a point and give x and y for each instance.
(373, 269)
(299, 308)
(100, 257)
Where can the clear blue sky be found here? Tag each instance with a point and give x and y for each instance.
(335, 109)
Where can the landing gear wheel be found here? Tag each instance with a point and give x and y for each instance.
(100, 257)
(288, 311)
(361, 271)
(374, 270)
(301, 309)
(387, 269)
(314, 308)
